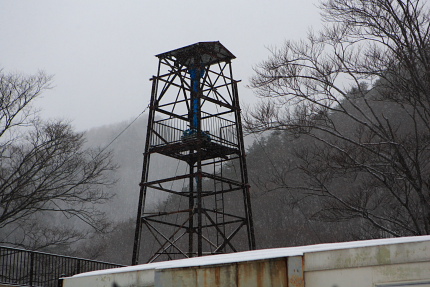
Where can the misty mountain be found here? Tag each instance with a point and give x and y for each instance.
(126, 140)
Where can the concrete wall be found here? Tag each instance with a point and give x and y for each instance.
(243, 274)
(144, 278)
(332, 265)
(367, 266)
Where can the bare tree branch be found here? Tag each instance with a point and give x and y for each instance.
(44, 167)
(360, 90)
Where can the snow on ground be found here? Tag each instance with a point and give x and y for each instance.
(260, 254)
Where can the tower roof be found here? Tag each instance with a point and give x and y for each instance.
(201, 53)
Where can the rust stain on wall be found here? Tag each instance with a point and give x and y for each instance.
(295, 271)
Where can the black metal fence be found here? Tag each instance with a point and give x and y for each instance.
(32, 268)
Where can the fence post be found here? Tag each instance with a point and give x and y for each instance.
(31, 268)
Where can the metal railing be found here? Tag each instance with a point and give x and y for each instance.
(221, 131)
(33, 268)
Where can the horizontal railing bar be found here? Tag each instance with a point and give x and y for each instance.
(56, 255)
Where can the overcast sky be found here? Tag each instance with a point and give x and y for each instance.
(101, 53)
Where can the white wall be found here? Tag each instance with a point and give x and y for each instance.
(375, 263)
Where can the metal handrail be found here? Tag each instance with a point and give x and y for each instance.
(221, 131)
(34, 268)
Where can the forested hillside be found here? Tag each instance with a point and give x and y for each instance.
(353, 102)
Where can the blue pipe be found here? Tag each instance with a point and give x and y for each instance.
(196, 74)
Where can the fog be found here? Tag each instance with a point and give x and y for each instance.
(101, 53)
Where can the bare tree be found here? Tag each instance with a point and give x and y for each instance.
(44, 168)
(359, 91)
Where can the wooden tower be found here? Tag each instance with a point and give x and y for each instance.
(194, 123)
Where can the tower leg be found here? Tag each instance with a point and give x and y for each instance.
(144, 178)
